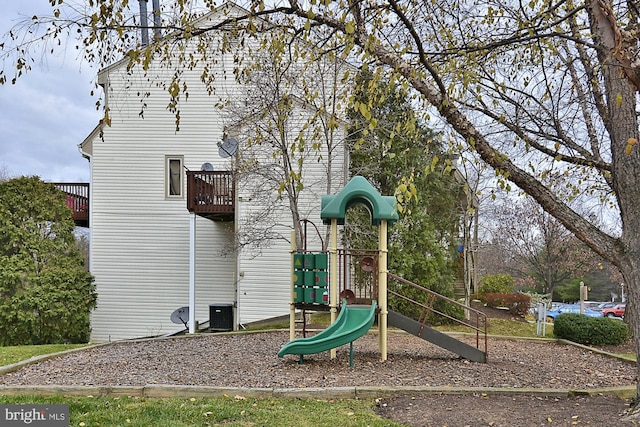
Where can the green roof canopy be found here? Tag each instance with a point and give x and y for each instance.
(359, 191)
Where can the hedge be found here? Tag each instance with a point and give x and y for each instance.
(590, 330)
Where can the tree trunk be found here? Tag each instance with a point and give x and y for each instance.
(622, 126)
(626, 181)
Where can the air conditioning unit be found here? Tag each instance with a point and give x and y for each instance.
(221, 317)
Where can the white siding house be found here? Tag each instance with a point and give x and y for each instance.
(141, 231)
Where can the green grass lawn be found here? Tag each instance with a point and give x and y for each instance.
(503, 327)
(228, 411)
(14, 354)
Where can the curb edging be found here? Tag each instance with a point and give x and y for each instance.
(357, 392)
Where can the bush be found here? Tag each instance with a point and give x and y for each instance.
(518, 304)
(496, 284)
(590, 330)
(46, 295)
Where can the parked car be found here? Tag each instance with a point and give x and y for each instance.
(615, 311)
(571, 308)
(593, 305)
(605, 305)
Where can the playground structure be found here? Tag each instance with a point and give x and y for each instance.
(358, 279)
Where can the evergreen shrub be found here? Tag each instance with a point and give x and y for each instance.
(590, 330)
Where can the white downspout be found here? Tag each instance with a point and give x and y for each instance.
(89, 157)
(192, 273)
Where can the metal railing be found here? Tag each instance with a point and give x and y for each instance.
(358, 274)
(211, 193)
(477, 320)
(77, 199)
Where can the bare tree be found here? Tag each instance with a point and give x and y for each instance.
(4, 173)
(535, 248)
(288, 121)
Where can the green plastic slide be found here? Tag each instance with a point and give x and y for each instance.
(352, 323)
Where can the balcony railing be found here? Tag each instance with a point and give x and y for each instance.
(77, 199)
(211, 194)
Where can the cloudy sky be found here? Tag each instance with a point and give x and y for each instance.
(47, 113)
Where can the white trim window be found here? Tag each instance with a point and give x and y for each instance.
(174, 177)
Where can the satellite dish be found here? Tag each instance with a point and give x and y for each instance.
(206, 167)
(181, 315)
(227, 147)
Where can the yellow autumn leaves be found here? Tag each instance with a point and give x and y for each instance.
(630, 143)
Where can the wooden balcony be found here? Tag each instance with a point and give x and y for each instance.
(211, 194)
(77, 199)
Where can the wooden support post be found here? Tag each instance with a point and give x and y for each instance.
(382, 288)
(292, 308)
(333, 273)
